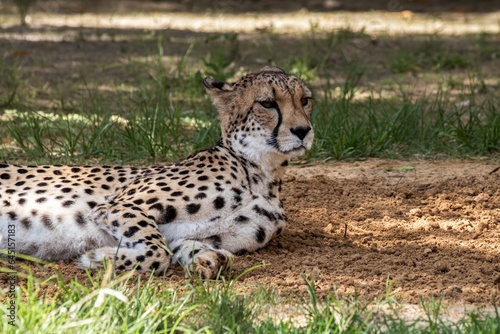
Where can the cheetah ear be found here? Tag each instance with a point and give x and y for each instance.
(213, 86)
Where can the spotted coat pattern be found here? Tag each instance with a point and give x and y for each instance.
(220, 202)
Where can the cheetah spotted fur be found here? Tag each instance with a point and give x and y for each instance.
(220, 202)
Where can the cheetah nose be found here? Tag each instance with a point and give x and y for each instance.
(301, 131)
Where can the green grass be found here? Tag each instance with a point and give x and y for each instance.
(107, 303)
(162, 123)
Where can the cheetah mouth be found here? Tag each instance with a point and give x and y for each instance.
(296, 150)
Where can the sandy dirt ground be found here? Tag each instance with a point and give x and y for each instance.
(431, 228)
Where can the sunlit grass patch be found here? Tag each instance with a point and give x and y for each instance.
(107, 302)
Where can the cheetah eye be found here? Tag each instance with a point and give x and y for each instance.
(269, 104)
(305, 101)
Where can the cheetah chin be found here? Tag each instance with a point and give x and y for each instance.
(199, 213)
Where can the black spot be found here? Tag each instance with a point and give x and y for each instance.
(157, 206)
(237, 191)
(142, 223)
(4, 176)
(41, 200)
(47, 222)
(80, 219)
(215, 240)
(138, 201)
(279, 231)
(110, 179)
(193, 208)
(105, 187)
(10, 191)
(89, 191)
(19, 183)
(155, 265)
(149, 253)
(194, 252)
(219, 203)
(75, 170)
(240, 252)
(169, 215)
(129, 215)
(66, 190)
(22, 171)
(131, 231)
(176, 193)
(200, 196)
(21, 201)
(115, 223)
(128, 263)
(241, 219)
(140, 258)
(12, 215)
(41, 191)
(152, 200)
(203, 178)
(91, 204)
(57, 172)
(176, 249)
(260, 234)
(203, 188)
(263, 212)
(26, 223)
(67, 204)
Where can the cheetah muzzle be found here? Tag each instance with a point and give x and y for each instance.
(200, 212)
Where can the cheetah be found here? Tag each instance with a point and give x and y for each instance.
(199, 213)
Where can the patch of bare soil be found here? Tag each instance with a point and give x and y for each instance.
(431, 228)
(433, 231)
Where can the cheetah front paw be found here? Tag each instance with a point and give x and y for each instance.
(210, 263)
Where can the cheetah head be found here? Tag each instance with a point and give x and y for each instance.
(264, 113)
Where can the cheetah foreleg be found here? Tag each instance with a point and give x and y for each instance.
(140, 244)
